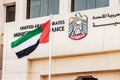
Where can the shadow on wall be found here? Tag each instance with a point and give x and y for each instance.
(86, 78)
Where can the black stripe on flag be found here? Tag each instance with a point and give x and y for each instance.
(27, 51)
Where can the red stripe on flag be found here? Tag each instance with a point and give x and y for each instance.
(44, 38)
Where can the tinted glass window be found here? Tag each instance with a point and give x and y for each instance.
(38, 8)
(80, 5)
(77, 5)
(102, 3)
(10, 13)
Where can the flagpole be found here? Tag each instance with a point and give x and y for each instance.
(50, 53)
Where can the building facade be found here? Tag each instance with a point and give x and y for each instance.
(1, 37)
(84, 39)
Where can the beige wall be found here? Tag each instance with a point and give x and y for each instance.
(97, 54)
(99, 75)
(1, 35)
(100, 65)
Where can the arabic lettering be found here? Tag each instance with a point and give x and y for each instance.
(115, 24)
(106, 15)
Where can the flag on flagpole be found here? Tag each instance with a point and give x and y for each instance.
(26, 44)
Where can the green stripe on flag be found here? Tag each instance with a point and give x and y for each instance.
(26, 37)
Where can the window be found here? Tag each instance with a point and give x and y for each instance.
(77, 5)
(10, 13)
(38, 8)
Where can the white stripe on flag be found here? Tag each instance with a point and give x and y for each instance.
(27, 43)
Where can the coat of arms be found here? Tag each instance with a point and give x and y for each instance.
(78, 27)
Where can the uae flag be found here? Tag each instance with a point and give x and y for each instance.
(26, 44)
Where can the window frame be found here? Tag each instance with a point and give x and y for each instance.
(87, 8)
(8, 11)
